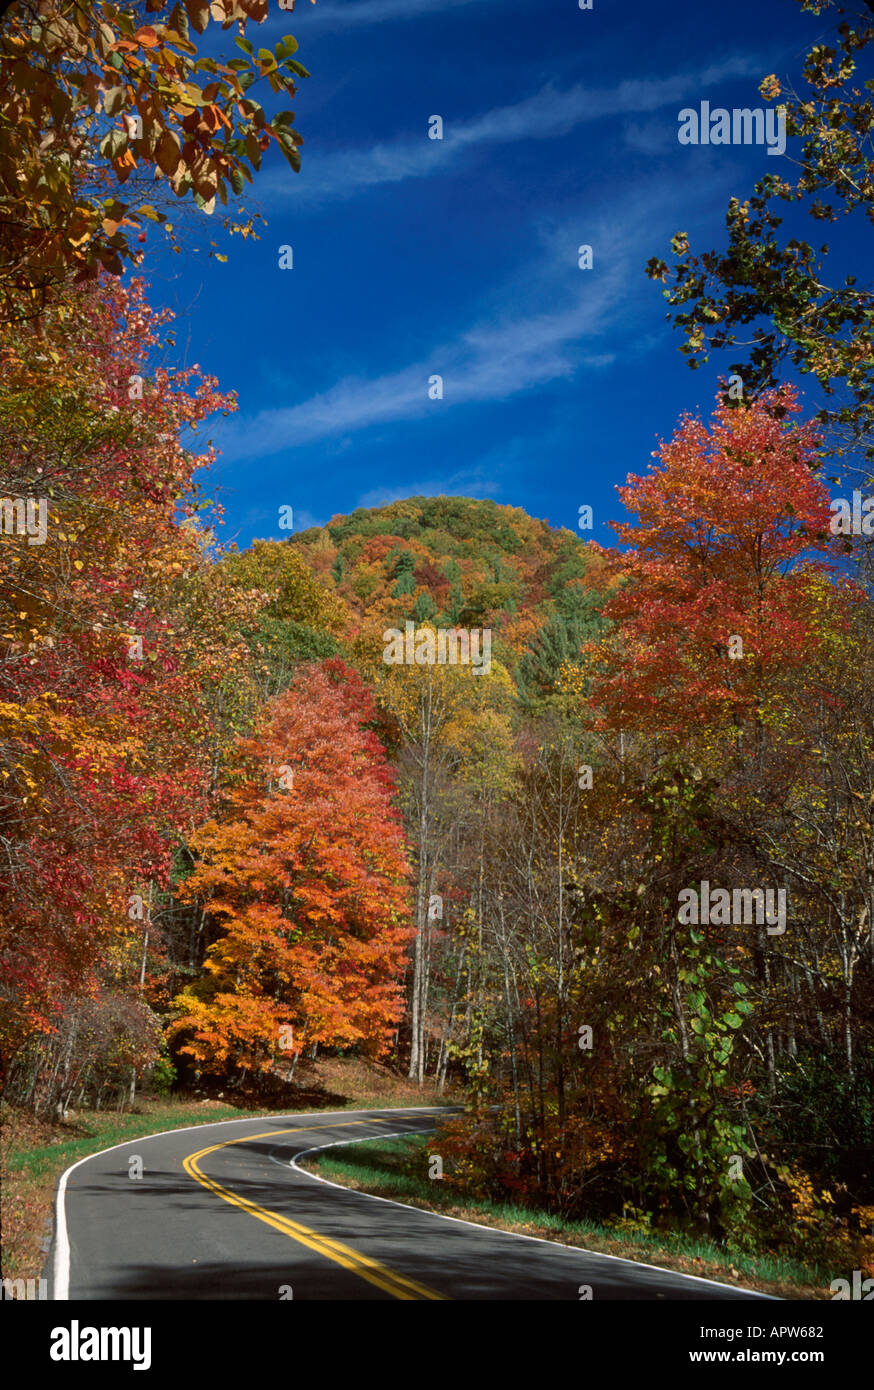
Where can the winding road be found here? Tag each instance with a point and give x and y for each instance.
(222, 1211)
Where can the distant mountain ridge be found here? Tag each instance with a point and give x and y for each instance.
(467, 562)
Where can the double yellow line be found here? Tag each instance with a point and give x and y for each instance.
(398, 1285)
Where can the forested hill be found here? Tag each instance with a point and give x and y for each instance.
(466, 562)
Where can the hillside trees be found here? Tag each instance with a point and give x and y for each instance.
(451, 561)
(297, 619)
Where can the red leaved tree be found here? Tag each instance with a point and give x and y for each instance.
(718, 597)
(103, 720)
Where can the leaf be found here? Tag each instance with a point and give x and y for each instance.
(179, 21)
(198, 14)
(167, 153)
(114, 143)
(114, 100)
(253, 150)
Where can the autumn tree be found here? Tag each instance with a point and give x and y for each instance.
(771, 294)
(96, 96)
(445, 716)
(296, 617)
(715, 603)
(305, 882)
(103, 725)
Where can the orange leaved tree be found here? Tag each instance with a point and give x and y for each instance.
(305, 885)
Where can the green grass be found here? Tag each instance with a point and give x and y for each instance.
(389, 1169)
(101, 1130)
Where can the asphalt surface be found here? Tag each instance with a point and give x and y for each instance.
(220, 1213)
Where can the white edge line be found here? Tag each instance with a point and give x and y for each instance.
(61, 1261)
(496, 1230)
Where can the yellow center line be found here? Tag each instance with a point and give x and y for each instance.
(398, 1285)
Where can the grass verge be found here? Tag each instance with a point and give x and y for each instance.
(395, 1168)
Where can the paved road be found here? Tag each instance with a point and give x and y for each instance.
(221, 1212)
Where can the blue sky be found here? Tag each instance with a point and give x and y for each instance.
(414, 257)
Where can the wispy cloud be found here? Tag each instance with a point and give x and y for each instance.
(548, 113)
(488, 362)
(303, 519)
(545, 325)
(343, 16)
